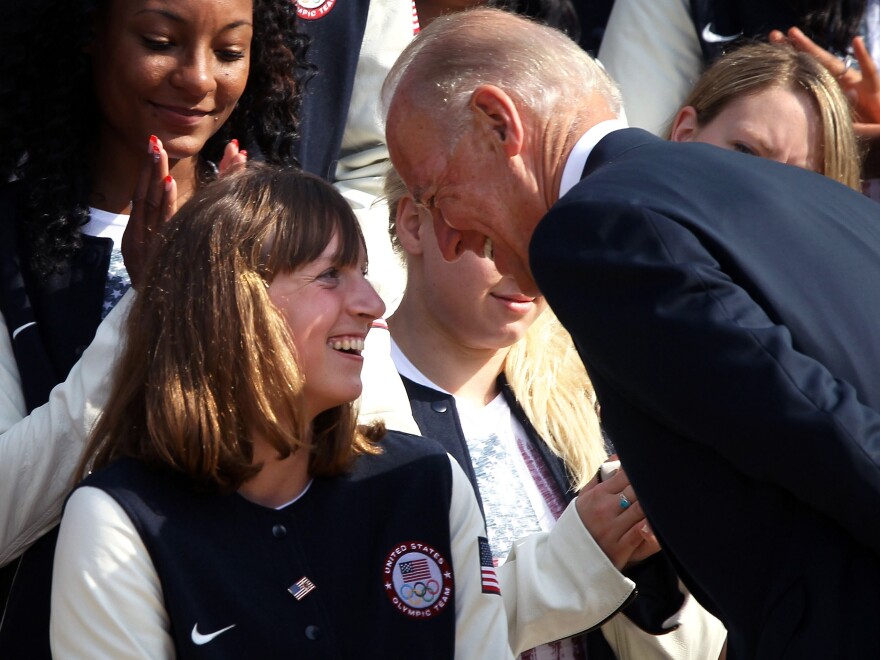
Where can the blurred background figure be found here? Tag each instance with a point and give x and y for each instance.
(656, 49)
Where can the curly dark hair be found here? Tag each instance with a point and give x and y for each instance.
(559, 14)
(49, 116)
(832, 23)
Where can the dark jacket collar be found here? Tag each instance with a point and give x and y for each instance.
(614, 144)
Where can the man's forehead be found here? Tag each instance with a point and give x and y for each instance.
(420, 165)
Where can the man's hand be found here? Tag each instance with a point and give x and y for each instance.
(611, 512)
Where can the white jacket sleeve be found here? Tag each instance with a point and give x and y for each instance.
(652, 50)
(480, 624)
(39, 452)
(559, 583)
(106, 597)
(699, 636)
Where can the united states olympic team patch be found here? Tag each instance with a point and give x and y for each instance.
(312, 10)
(418, 580)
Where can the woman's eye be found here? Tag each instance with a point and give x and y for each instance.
(744, 149)
(330, 275)
(230, 55)
(156, 44)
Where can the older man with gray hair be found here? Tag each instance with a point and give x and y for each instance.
(725, 306)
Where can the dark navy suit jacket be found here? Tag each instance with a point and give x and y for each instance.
(728, 311)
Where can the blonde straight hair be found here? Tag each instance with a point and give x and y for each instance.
(757, 67)
(551, 385)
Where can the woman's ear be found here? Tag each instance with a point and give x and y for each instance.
(684, 127)
(408, 225)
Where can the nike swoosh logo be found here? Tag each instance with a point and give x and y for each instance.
(199, 639)
(711, 38)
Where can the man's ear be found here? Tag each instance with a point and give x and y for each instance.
(685, 125)
(497, 112)
(408, 225)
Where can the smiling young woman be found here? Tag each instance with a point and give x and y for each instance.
(234, 504)
(113, 112)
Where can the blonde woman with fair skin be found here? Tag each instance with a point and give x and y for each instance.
(494, 377)
(775, 102)
(234, 504)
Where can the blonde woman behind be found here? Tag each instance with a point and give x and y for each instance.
(494, 377)
(775, 102)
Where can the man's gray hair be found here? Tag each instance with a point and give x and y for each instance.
(537, 66)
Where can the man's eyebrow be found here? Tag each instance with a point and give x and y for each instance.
(419, 194)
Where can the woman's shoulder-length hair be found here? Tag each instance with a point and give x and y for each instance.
(209, 362)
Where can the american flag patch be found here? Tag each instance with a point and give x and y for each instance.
(416, 569)
(487, 568)
(301, 588)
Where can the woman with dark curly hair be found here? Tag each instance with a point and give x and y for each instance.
(110, 110)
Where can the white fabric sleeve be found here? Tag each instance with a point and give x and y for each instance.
(39, 452)
(652, 50)
(699, 636)
(106, 597)
(559, 583)
(480, 624)
(383, 397)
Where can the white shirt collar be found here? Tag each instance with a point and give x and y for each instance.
(577, 159)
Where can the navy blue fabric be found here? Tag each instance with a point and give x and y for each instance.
(336, 39)
(739, 21)
(727, 311)
(63, 311)
(223, 560)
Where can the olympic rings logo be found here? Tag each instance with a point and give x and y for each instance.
(420, 592)
(418, 579)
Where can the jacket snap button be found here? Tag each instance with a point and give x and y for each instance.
(313, 633)
(279, 531)
(439, 406)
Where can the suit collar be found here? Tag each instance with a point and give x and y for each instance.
(574, 165)
(615, 144)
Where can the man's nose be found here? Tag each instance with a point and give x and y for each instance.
(453, 242)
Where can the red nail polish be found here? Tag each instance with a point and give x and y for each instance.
(243, 152)
(168, 182)
(151, 146)
(169, 178)
(235, 142)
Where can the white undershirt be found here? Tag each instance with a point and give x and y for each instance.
(104, 224)
(482, 421)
